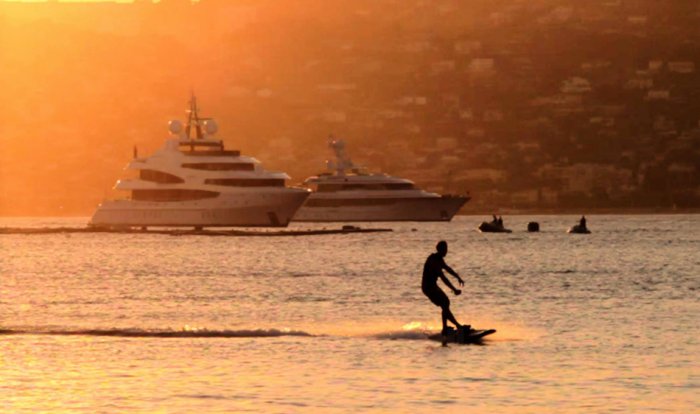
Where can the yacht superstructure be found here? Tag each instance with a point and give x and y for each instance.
(347, 193)
(195, 181)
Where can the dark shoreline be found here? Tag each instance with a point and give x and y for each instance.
(467, 211)
(176, 232)
(579, 211)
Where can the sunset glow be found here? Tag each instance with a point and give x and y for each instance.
(349, 206)
(492, 100)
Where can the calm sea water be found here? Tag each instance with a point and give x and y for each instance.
(154, 323)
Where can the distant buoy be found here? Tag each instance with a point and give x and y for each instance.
(533, 226)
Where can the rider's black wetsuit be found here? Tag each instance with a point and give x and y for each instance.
(432, 269)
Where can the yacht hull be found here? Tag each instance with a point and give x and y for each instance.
(387, 209)
(246, 210)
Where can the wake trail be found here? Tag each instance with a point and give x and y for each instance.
(378, 330)
(154, 333)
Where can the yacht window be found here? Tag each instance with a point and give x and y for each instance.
(212, 153)
(220, 166)
(374, 187)
(399, 186)
(336, 202)
(159, 177)
(246, 182)
(354, 186)
(172, 195)
(377, 186)
(328, 188)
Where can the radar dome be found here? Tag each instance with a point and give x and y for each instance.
(210, 127)
(175, 127)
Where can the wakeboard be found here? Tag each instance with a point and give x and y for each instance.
(462, 336)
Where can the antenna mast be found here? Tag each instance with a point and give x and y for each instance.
(193, 119)
(343, 161)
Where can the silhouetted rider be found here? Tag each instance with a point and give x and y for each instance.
(432, 270)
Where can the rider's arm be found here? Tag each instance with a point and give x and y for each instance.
(447, 282)
(452, 272)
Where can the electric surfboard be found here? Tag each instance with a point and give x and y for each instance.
(462, 336)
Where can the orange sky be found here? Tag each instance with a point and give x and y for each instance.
(81, 84)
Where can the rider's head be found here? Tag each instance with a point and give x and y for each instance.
(442, 248)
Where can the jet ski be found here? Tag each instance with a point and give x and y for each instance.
(578, 229)
(492, 227)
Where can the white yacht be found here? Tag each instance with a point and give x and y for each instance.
(347, 193)
(194, 181)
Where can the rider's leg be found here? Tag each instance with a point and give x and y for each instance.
(447, 315)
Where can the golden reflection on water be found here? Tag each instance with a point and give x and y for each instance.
(574, 335)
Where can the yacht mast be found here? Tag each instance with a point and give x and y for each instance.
(343, 161)
(193, 118)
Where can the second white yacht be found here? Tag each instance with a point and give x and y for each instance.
(350, 194)
(194, 181)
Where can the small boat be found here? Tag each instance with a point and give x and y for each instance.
(578, 229)
(492, 227)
